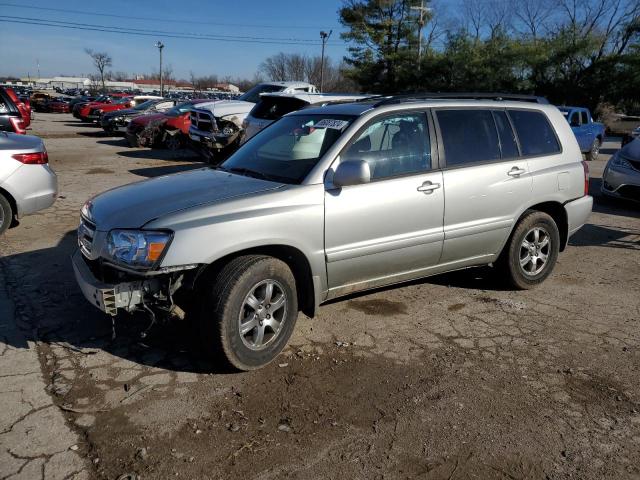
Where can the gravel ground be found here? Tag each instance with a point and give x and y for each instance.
(449, 377)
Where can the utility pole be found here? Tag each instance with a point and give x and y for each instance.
(324, 36)
(160, 46)
(423, 10)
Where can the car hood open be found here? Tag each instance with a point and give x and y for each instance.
(134, 205)
(223, 108)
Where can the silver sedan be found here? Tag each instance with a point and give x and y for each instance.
(27, 183)
(621, 177)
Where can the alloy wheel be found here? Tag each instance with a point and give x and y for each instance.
(262, 314)
(534, 251)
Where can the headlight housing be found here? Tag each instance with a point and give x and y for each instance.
(138, 249)
(619, 161)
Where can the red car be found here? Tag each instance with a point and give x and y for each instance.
(91, 111)
(170, 128)
(23, 107)
(59, 105)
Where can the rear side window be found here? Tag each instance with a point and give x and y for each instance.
(273, 108)
(534, 132)
(508, 144)
(469, 136)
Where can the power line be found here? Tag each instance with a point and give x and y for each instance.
(152, 33)
(155, 19)
(163, 32)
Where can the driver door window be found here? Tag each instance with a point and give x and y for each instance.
(394, 146)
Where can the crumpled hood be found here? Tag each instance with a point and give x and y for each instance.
(132, 206)
(223, 108)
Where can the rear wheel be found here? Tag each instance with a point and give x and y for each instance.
(6, 214)
(594, 151)
(532, 251)
(249, 312)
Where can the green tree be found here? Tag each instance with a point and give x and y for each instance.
(383, 42)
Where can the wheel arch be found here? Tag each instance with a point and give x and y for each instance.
(556, 211)
(12, 202)
(292, 256)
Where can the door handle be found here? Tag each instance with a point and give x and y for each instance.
(428, 187)
(516, 172)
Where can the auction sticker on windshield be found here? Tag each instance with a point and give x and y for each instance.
(331, 123)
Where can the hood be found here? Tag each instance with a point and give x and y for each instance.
(134, 205)
(631, 150)
(147, 118)
(223, 108)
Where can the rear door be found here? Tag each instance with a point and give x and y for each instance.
(486, 182)
(391, 228)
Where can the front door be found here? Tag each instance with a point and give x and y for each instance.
(390, 229)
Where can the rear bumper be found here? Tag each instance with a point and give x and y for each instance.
(34, 188)
(108, 297)
(578, 212)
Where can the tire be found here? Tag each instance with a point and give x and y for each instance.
(6, 214)
(173, 142)
(528, 275)
(226, 307)
(594, 151)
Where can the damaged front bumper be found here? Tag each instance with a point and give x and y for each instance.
(111, 297)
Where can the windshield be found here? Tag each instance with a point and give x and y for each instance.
(289, 149)
(120, 101)
(253, 95)
(145, 105)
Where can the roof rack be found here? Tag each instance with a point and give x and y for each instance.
(393, 99)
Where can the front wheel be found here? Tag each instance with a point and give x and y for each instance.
(249, 312)
(532, 251)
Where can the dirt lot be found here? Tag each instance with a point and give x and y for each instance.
(447, 378)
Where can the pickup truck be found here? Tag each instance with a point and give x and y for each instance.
(589, 134)
(216, 126)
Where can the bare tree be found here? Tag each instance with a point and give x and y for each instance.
(102, 61)
(498, 15)
(275, 67)
(533, 16)
(473, 16)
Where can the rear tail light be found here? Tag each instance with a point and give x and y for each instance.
(585, 167)
(38, 158)
(18, 125)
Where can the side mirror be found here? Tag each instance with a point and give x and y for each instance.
(352, 172)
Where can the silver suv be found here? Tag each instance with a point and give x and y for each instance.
(333, 200)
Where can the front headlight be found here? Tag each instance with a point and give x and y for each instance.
(619, 161)
(137, 248)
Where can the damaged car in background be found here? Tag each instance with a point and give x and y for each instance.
(216, 127)
(169, 129)
(117, 122)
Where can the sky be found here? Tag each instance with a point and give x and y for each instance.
(266, 26)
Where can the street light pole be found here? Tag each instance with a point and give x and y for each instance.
(160, 46)
(324, 36)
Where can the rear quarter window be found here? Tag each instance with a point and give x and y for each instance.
(535, 133)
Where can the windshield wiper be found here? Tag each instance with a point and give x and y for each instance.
(249, 173)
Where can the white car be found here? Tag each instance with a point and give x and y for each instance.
(27, 183)
(216, 126)
(272, 106)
